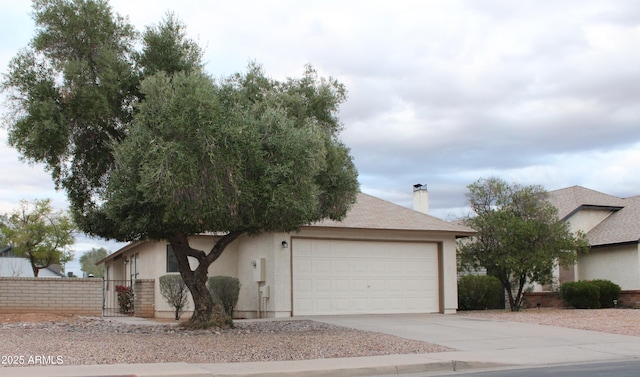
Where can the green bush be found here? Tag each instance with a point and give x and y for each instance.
(225, 291)
(581, 294)
(609, 291)
(479, 292)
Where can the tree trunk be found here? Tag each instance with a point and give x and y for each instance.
(204, 312)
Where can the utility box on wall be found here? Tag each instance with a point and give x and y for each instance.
(258, 269)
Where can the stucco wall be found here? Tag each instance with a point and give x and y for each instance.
(237, 259)
(51, 295)
(620, 264)
(269, 247)
(587, 219)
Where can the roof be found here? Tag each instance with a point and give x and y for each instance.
(370, 212)
(571, 199)
(21, 267)
(622, 226)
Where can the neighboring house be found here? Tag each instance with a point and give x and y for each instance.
(382, 258)
(13, 266)
(612, 226)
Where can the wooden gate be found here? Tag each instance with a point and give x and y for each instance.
(117, 298)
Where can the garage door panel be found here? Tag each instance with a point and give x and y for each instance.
(364, 277)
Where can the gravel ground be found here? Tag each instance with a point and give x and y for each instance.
(77, 341)
(614, 321)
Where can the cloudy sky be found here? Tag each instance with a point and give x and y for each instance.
(440, 92)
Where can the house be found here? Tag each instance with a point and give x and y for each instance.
(12, 266)
(382, 258)
(612, 226)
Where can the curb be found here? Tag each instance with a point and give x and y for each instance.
(241, 369)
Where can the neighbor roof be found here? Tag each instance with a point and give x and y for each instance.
(571, 199)
(622, 226)
(370, 212)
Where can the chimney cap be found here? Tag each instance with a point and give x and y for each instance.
(419, 186)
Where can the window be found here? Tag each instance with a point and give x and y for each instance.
(172, 263)
(134, 266)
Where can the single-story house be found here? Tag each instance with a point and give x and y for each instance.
(382, 258)
(13, 266)
(612, 226)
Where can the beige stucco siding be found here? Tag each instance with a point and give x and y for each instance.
(236, 261)
(152, 264)
(620, 264)
(587, 219)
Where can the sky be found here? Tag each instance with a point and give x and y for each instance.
(441, 93)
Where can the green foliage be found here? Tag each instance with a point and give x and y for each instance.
(225, 291)
(40, 234)
(89, 259)
(175, 291)
(479, 292)
(519, 240)
(72, 90)
(125, 299)
(148, 146)
(609, 291)
(581, 294)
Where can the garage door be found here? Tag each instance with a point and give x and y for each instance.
(351, 277)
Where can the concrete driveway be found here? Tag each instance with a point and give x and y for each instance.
(482, 340)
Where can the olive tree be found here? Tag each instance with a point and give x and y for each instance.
(39, 233)
(519, 239)
(149, 146)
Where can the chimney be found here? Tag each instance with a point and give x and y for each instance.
(421, 198)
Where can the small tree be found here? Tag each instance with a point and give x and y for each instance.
(175, 291)
(89, 259)
(519, 238)
(40, 234)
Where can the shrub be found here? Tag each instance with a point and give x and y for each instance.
(175, 291)
(125, 299)
(479, 292)
(581, 294)
(609, 291)
(225, 291)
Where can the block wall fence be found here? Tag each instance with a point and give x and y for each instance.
(51, 295)
(80, 296)
(628, 299)
(144, 300)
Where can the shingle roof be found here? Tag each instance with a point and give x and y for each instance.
(622, 226)
(370, 212)
(570, 199)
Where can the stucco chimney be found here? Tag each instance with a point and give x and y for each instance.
(420, 198)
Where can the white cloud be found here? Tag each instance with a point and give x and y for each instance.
(440, 92)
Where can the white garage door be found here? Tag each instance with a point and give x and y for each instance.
(350, 277)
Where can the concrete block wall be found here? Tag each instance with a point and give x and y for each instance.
(51, 295)
(627, 299)
(144, 299)
(545, 299)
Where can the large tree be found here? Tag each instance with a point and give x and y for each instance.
(148, 146)
(519, 239)
(36, 232)
(244, 155)
(89, 259)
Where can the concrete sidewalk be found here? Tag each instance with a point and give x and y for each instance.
(480, 344)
